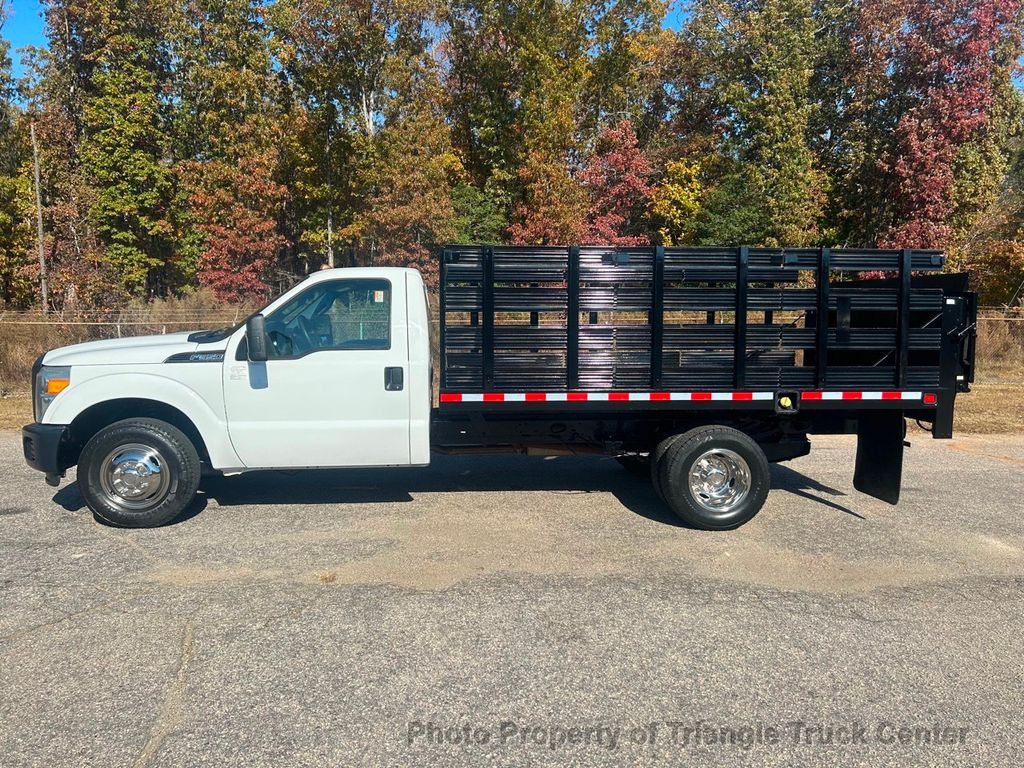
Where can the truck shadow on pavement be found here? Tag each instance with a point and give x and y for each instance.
(786, 478)
(454, 474)
(70, 499)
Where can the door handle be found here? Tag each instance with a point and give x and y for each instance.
(394, 379)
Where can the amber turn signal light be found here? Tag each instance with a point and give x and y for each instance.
(56, 386)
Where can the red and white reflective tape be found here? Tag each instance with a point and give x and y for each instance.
(646, 397)
(861, 395)
(595, 397)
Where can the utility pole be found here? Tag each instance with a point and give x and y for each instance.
(44, 288)
(330, 198)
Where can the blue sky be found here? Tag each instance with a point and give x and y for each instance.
(23, 27)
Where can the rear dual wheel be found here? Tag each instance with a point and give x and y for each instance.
(714, 478)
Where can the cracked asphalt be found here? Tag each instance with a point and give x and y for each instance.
(515, 611)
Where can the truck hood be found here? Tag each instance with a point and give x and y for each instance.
(135, 350)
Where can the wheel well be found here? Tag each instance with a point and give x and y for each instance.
(96, 417)
(762, 429)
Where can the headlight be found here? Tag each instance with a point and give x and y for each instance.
(51, 380)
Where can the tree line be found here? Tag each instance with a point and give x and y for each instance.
(234, 144)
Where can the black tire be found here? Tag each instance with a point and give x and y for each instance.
(172, 460)
(657, 455)
(637, 465)
(680, 455)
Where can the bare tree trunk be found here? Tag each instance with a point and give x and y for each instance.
(330, 239)
(44, 288)
(368, 105)
(330, 203)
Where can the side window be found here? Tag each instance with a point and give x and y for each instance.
(340, 314)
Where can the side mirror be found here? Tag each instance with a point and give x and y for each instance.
(256, 338)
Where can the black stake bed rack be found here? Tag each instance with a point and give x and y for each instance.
(703, 327)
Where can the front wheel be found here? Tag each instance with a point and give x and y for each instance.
(138, 473)
(714, 478)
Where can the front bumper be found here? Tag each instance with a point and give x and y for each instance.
(42, 445)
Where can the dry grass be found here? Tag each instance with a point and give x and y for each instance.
(21, 344)
(15, 412)
(991, 407)
(24, 337)
(1000, 351)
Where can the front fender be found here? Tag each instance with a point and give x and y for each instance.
(70, 403)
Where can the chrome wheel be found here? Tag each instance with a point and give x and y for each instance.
(134, 477)
(719, 480)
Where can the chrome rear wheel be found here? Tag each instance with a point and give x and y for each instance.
(713, 477)
(719, 480)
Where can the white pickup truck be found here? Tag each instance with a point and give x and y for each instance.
(337, 373)
(334, 373)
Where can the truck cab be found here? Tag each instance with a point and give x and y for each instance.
(344, 380)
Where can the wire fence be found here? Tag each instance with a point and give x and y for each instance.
(144, 321)
(164, 319)
(24, 335)
(1001, 314)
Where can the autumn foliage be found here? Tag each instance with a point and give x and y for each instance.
(235, 210)
(618, 180)
(939, 62)
(239, 144)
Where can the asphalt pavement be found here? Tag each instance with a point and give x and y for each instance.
(520, 611)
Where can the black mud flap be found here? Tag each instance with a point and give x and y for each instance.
(879, 469)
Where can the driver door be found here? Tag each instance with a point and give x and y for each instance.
(332, 393)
